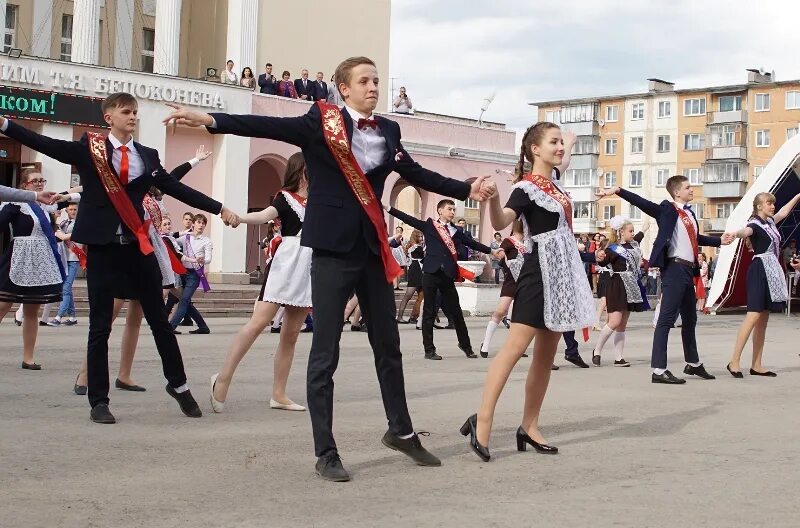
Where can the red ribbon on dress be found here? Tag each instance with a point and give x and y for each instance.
(444, 234)
(335, 134)
(174, 259)
(119, 198)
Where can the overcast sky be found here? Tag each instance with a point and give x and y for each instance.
(451, 54)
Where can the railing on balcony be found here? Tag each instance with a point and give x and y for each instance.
(716, 225)
(726, 152)
(724, 189)
(731, 116)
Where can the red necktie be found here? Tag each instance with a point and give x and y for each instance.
(367, 123)
(123, 165)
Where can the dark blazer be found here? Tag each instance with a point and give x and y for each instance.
(335, 220)
(308, 90)
(267, 87)
(437, 255)
(461, 248)
(97, 220)
(666, 217)
(320, 94)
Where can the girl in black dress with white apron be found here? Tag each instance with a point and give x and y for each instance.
(552, 293)
(766, 282)
(415, 252)
(287, 284)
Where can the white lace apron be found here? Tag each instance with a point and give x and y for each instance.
(776, 280)
(32, 259)
(568, 300)
(630, 277)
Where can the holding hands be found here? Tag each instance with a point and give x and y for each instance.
(229, 217)
(48, 197)
(606, 192)
(482, 189)
(727, 238)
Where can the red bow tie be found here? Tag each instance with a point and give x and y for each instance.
(367, 123)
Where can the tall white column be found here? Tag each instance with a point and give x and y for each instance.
(123, 47)
(168, 29)
(42, 28)
(2, 23)
(85, 29)
(242, 34)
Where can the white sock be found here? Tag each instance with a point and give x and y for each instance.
(20, 314)
(46, 312)
(619, 343)
(491, 326)
(695, 364)
(658, 371)
(405, 437)
(182, 388)
(605, 333)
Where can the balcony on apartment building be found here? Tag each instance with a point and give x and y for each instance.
(729, 116)
(580, 183)
(725, 180)
(581, 119)
(715, 225)
(727, 142)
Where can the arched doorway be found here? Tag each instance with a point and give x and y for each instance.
(409, 200)
(264, 181)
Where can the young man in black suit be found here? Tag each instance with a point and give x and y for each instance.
(320, 88)
(440, 271)
(110, 224)
(675, 254)
(348, 158)
(267, 83)
(304, 87)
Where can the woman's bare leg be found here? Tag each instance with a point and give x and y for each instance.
(759, 335)
(130, 339)
(745, 329)
(293, 319)
(30, 328)
(544, 351)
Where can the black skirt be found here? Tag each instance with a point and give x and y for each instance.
(529, 296)
(509, 287)
(758, 296)
(602, 283)
(14, 293)
(414, 275)
(617, 298)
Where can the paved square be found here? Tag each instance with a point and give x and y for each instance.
(708, 453)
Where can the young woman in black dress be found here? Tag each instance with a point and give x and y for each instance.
(766, 283)
(552, 294)
(415, 252)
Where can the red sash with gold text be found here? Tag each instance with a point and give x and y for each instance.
(689, 225)
(116, 193)
(554, 192)
(335, 134)
(77, 251)
(444, 234)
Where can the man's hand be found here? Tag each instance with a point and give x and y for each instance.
(482, 189)
(229, 217)
(606, 192)
(202, 153)
(727, 238)
(183, 116)
(499, 254)
(47, 197)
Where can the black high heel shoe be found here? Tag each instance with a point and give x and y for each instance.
(523, 438)
(735, 373)
(468, 429)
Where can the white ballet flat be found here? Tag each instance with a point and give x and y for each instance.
(285, 406)
(216, 406)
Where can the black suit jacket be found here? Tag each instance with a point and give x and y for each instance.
(437, 255)
(307, 90)
(335, 220)
(666, 217)
(267, 87)
(97, 220)
(320, 93)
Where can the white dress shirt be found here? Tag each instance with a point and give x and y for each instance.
(368, 145)
(450, 228)
(199, 246)
(681, 245)
(135, 162)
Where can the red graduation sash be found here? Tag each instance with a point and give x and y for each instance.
(335, 134)
(444, 234)
(116, 192)
(77, 251)
(518, 245)
(174, 260)
(689, 225)
(551, 189)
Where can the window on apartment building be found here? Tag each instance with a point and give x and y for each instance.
(583, 210)
(611, 146)
(694, 142)
(791, 132)
(612, 113)
(662, 175)
(723, 135)
(10, 37)
(148, 49)
(469, 203)
(664, 109)
(762, 102)
(551, 116)
(725, 209)
(66, 38)
(694, 107)
(729, 103)
(609, 212)
(757, 170)
(792, 100)
(634, 213)
(579, 113)
(610, 179)
(637, 111)
(636, 178)
(473, 229)
(695, 175)
(663, 143)
(699, 210)
(585, 145)
(579, 177)
(637, 145)
(762, 138)
(724, 172)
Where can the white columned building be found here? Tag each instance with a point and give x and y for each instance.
(123, 50)
(85, 29)
(167, 44)
(42, 28)
(242, 34)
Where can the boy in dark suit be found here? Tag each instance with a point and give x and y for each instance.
(115, 173)
(440, 271)
(349, 153)
(675, 253)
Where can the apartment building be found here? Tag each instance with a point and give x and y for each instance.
(720, 137)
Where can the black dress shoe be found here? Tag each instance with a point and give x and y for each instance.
(412, 320)
(43, 323)
(17, 321)
(31, 366)
(523, 439)
(438, 327)
(506, 323)
(468, 429)
(100, 414)
(621, 363)
(554, 367)
(432, 355)
(595, 359)
(468, 351)
(576, 360)
(200, 331)
(483, 354)
(412, 448)
(768, 373)
(176, 332)
(186, 401)
(274, 330)
(307, 330)
(400, 321)
(356, 328)
(450, 326)
(124, 386)
(80, 390)
(735, 373)
(698, 371)
(330, 467)
(668, 378)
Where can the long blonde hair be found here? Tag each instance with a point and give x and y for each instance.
(762, 197)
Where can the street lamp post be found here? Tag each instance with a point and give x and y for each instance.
(485, 106)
